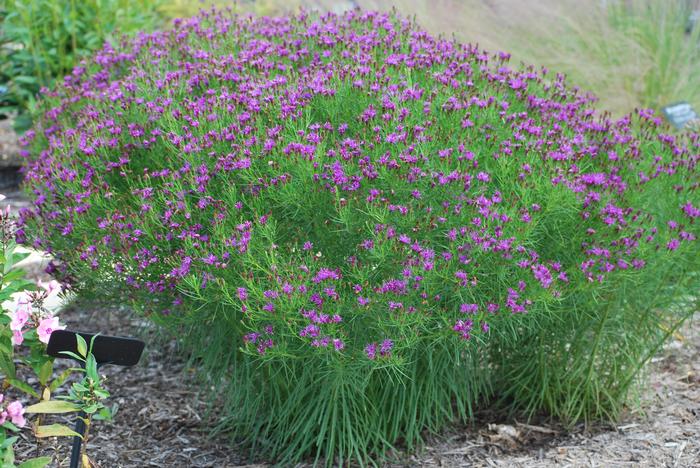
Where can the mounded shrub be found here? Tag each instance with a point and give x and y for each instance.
(363, 232)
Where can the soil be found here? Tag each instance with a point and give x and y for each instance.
(662, 431)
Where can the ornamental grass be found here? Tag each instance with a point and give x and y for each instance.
(362, 233)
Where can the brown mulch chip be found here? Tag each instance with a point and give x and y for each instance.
(162, 419)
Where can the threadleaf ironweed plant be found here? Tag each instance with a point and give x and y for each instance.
(361, 231)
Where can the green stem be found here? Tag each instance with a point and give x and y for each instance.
(596, 343)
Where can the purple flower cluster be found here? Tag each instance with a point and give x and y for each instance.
(345, 178)
(383, 349)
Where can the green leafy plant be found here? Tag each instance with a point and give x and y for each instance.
(41, 41)
(85, 396)
(29, 324)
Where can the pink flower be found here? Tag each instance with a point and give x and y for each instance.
(51, 287)
(17, 338)
(20, 315)
(18, 319)
(15, 411)
(46, 327)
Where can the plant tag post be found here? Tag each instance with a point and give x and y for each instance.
(114, 350)
(693, 21)
(679, 114)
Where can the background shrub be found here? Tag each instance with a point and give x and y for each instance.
(43, 40)
(361, 231)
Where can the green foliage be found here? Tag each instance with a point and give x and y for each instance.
(672, 55)
(41, 41)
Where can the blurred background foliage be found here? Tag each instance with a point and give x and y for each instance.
(43, 40)
(630, 53)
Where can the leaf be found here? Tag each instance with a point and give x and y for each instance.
(82, 345)
(114, 409)
(7, 366)
(8, 261)
(9, 459)
(45, 372)
(58, 381)
(55, 430)
(39, 462)
(9, 441)
(105, 414)
(101, 393)
(46, 394)
(72, 354)
(19, 256)
(10, 426)
(13, 275)
(91, 368)
(19, 385)
(85, 460)
(91, 409)
(4, 294)
(79, 387)
(24, 284)
(53, 407)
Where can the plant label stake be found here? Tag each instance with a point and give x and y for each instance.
(693, 22)
(107, 350)
(679, 114)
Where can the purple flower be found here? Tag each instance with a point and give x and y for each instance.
(386, 347)
(325, 274)
(251, 337)
(371, 350)
(469, 308)
(271, 294)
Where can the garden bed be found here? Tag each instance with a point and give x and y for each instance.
(162, 419)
